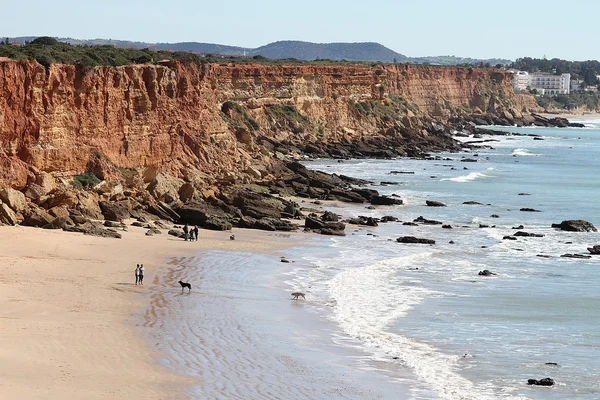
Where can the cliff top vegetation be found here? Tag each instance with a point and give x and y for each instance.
(47, 50)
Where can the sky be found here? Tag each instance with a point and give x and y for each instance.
(467, 28)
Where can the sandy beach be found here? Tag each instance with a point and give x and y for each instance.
(70, 308)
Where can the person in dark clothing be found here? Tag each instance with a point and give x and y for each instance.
(137, 274)
(196, 232)
(186, 230)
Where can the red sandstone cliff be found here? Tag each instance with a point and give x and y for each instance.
(171, 116)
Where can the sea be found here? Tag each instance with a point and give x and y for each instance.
(384, 319)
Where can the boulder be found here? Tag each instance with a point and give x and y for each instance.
(267, 224)
(60, 223)
(115, 210)
(577, 225)
(153, 231)
(14, 199)
(425, 221)
(541, 382)
(509, 238)
(412, 239)
(569, 255)
(187, 192)
(58, 212)
(529, 210)
(447, 226)
(473, 203)
(332, 232)
(93, 229)
(385, 201)
(165, 187)
(65, 198)
(527, 234)
(7, 215)
(205, 215)
(262, 205)
(88, 205)
(328, 216)
(388, 218)
(177, 233)
(431, 203)
(594, 249)
(486, 272)
(38, 218)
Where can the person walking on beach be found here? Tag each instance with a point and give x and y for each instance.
(141, 274)
(196, 232)
(137, 274)
(186, 229)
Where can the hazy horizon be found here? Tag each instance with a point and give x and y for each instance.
(465, 28)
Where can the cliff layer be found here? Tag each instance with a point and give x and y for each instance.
(224, 121)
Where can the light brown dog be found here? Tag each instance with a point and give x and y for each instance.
(298, 294)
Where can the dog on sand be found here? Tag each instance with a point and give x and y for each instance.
(232, 237)
(185, 285)
(296, 295)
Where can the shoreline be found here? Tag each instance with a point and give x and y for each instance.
(70, 321)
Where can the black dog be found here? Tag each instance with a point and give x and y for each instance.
(185, 285)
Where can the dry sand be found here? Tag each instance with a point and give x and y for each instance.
(69, 307)
(574, 115)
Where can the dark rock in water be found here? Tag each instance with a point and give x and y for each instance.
(402, 172)
(483, 226)
(543, 256)
(552, 364)
(577, 225)
(494, 216)
(527, 234)
(388, 218)
(370, 207)
(369, 221)
(447, 226)
(451, 242)
(385, 201)
(484, 247)
(541, 382)
(425, 221)
(538, 138)
(473, 203)
(509, 238)
(414, 240)
(594, 249)
(524, 194)
(368, 194)
(468, 160)
(569, 255)
(529, 210)
(410, 224)
(486, 272)
(431, 203)
(285, 260)
(518, 227)
(328, 216)
(332, 232)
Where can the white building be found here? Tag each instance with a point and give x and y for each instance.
(543, 82)
(521, 80)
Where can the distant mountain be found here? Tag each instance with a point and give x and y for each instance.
(333, 51)
(367, 51)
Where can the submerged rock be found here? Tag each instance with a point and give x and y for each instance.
(414, 240)
(577, 225)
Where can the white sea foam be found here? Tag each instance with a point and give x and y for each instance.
(371, 298)
(523, 152)
(470, 177)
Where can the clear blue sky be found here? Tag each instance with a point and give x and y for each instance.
(467, 28)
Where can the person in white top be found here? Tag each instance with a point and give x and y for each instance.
(141, 274)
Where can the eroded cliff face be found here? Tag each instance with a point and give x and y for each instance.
(213, 121)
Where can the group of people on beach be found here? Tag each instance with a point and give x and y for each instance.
(191, 234)
(139, 274)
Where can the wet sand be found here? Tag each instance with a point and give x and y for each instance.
(70, 316)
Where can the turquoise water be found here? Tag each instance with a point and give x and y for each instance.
(425, 309)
